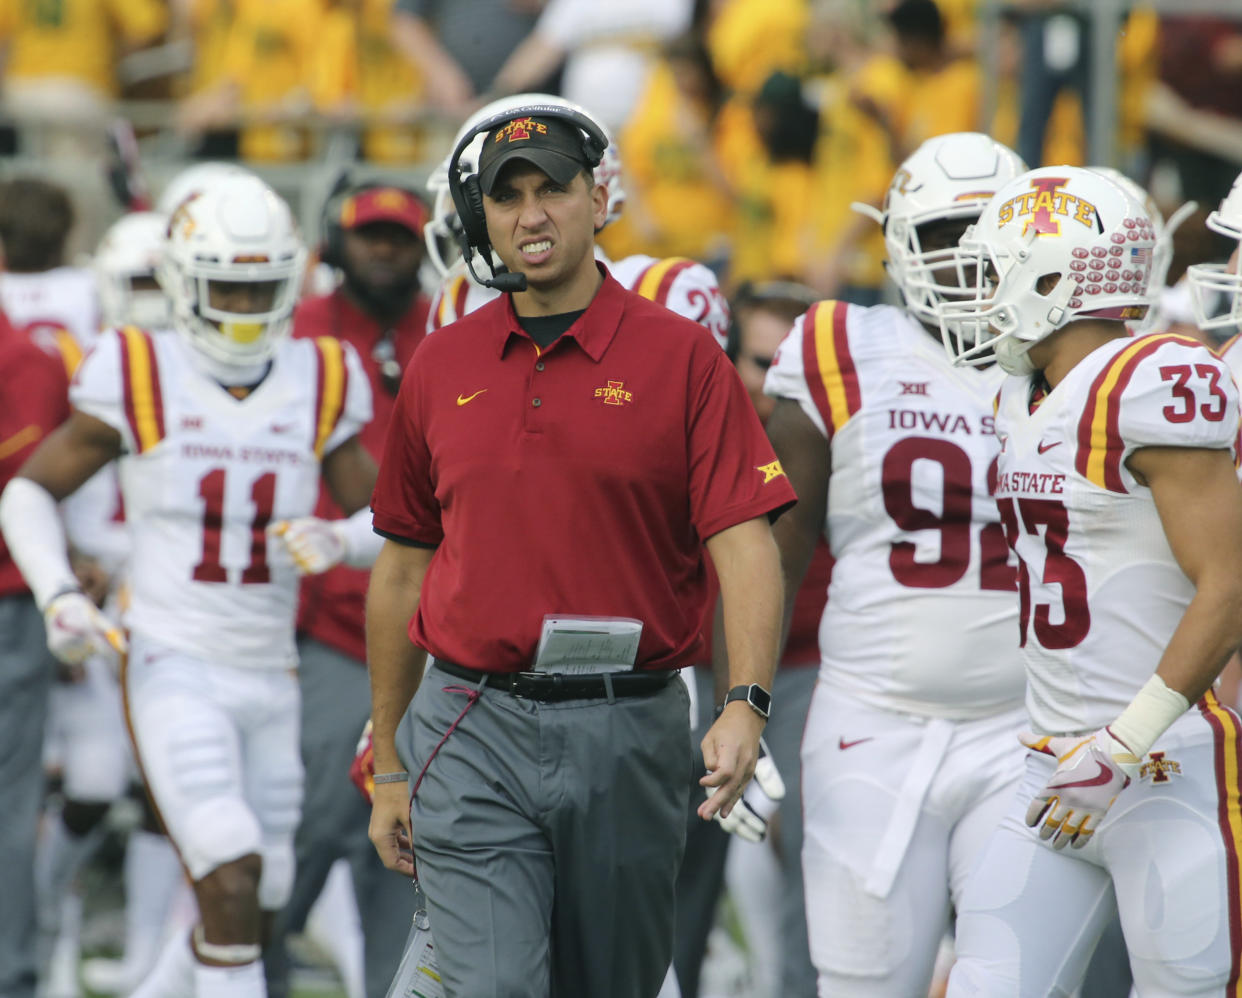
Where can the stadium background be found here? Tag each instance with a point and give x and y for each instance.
(746, 127)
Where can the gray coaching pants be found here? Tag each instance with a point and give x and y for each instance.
(26, 668)
(548, 838)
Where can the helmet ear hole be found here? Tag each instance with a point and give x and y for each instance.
(1047, 283)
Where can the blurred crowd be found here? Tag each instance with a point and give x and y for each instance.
(746, 127)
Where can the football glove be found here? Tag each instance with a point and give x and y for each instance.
(315, 545)
(763, 795)
(362, 769)
(1091, 771)
(76, 630)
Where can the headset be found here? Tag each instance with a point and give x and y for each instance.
(332, 236)
(468, 195)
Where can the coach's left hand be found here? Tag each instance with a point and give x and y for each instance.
(730, 751)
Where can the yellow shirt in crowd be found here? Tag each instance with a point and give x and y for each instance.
(853, 162)
(775, 231)
(949, 100)
(356, 64)
(210, 23)
(751, 39)
(268, 56)
(76, 39)
(680, 203)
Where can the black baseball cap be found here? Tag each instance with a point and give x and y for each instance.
(552, 144)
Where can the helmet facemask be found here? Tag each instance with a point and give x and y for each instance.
(1216, 288)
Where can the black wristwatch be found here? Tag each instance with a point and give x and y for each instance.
(757, 698)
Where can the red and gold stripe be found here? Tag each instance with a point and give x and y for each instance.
(657, 280)
(144, 404)
(1100, 446)
(828, 365)
(1227, 746)
(1223, 348)
(461, 291)
(70, 351)
(330, 390)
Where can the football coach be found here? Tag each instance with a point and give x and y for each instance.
(557, 464)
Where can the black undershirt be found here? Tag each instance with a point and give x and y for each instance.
(546, 329)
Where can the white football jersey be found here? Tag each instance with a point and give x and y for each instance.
(921, 609)
(685, 286)
(1100, 590)
(58, 309)
(456, 297)
(203, 475)
(688, 288)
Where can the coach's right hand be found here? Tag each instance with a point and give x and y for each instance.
(390, 827)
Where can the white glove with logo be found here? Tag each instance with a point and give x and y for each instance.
(759, 801)
(76, 630)
(314, 544)
(1091, 771)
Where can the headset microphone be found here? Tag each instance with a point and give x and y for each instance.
(503, 280)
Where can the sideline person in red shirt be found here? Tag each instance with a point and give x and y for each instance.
(35, 390)
(373, 235)
(556, 464)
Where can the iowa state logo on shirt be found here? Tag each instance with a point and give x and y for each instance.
(614, 393)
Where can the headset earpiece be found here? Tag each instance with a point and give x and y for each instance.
(330, 235)
(470, 212)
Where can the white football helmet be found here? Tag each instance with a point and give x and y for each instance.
(1216, 288)
(237, 232)
(1056, 244)
(125, 265)
(948, 177)
(193, 180)
(442, 229)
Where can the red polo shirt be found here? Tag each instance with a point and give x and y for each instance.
(577, 480)
(35, 391)
(333, 605)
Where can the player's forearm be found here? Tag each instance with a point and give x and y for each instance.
(1208, 633)
(394, 664)
(415, 40)
(35, 535)
(748, 564)
(533, 60)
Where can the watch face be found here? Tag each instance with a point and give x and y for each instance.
(760, 699)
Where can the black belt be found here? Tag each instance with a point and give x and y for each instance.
(551, 687)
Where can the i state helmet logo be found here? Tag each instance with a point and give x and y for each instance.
(1045, 204)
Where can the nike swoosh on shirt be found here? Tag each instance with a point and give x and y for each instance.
(1047, 447)
(463, 399)
(1105, 774)
(842, 744)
